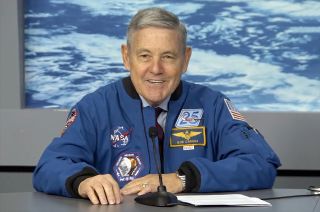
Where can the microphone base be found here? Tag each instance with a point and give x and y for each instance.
(159, 199)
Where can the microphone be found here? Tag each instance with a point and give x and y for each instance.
(160, 198)
(153, 133)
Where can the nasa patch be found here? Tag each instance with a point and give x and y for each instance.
(120, 136)
(128, 166)
(189, 118)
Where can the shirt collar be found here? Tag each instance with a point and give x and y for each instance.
(163, 105)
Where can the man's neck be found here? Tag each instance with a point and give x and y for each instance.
(163, 105)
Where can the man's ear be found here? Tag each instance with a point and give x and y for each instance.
(125, 56)
(187, 56)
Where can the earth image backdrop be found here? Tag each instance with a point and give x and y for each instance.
(264, 55)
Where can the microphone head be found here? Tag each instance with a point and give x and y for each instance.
(153, 132)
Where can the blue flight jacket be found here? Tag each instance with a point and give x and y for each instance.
(107, 132)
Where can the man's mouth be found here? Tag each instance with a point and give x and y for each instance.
(156, 81)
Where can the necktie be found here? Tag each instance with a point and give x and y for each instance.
(158, 110)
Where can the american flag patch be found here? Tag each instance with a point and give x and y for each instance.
(236, 115)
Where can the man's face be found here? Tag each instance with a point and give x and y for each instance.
(156, 60)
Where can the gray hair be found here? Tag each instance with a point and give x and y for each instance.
(156, 17)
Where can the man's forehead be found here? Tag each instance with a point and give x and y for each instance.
(145, 40)
(147, 32)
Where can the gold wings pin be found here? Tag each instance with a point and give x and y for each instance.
(187, 134)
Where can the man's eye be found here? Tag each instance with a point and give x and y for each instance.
(168, 57)
(144, 57)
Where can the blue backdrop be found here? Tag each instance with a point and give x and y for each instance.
(264, 55)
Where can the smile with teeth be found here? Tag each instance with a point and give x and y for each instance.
(156, 81)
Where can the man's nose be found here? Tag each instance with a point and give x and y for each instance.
(157, 66)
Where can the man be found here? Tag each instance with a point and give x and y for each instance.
(105, 151)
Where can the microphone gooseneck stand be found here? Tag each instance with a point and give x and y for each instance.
(161, 198)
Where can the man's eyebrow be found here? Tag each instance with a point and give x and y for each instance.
(143, 50)
(169, 52)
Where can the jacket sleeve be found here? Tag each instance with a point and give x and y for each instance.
(243, 159)
(68, 158)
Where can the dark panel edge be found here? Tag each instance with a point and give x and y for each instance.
(287, 172)
(17, 168)
(297, 173)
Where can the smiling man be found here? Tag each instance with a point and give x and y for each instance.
(204, 144)
(156, 58)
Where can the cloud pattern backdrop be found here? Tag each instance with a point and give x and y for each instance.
(264, 55)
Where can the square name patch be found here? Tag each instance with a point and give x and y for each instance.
(188, 136)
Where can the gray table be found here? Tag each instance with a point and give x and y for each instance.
(39, 202)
